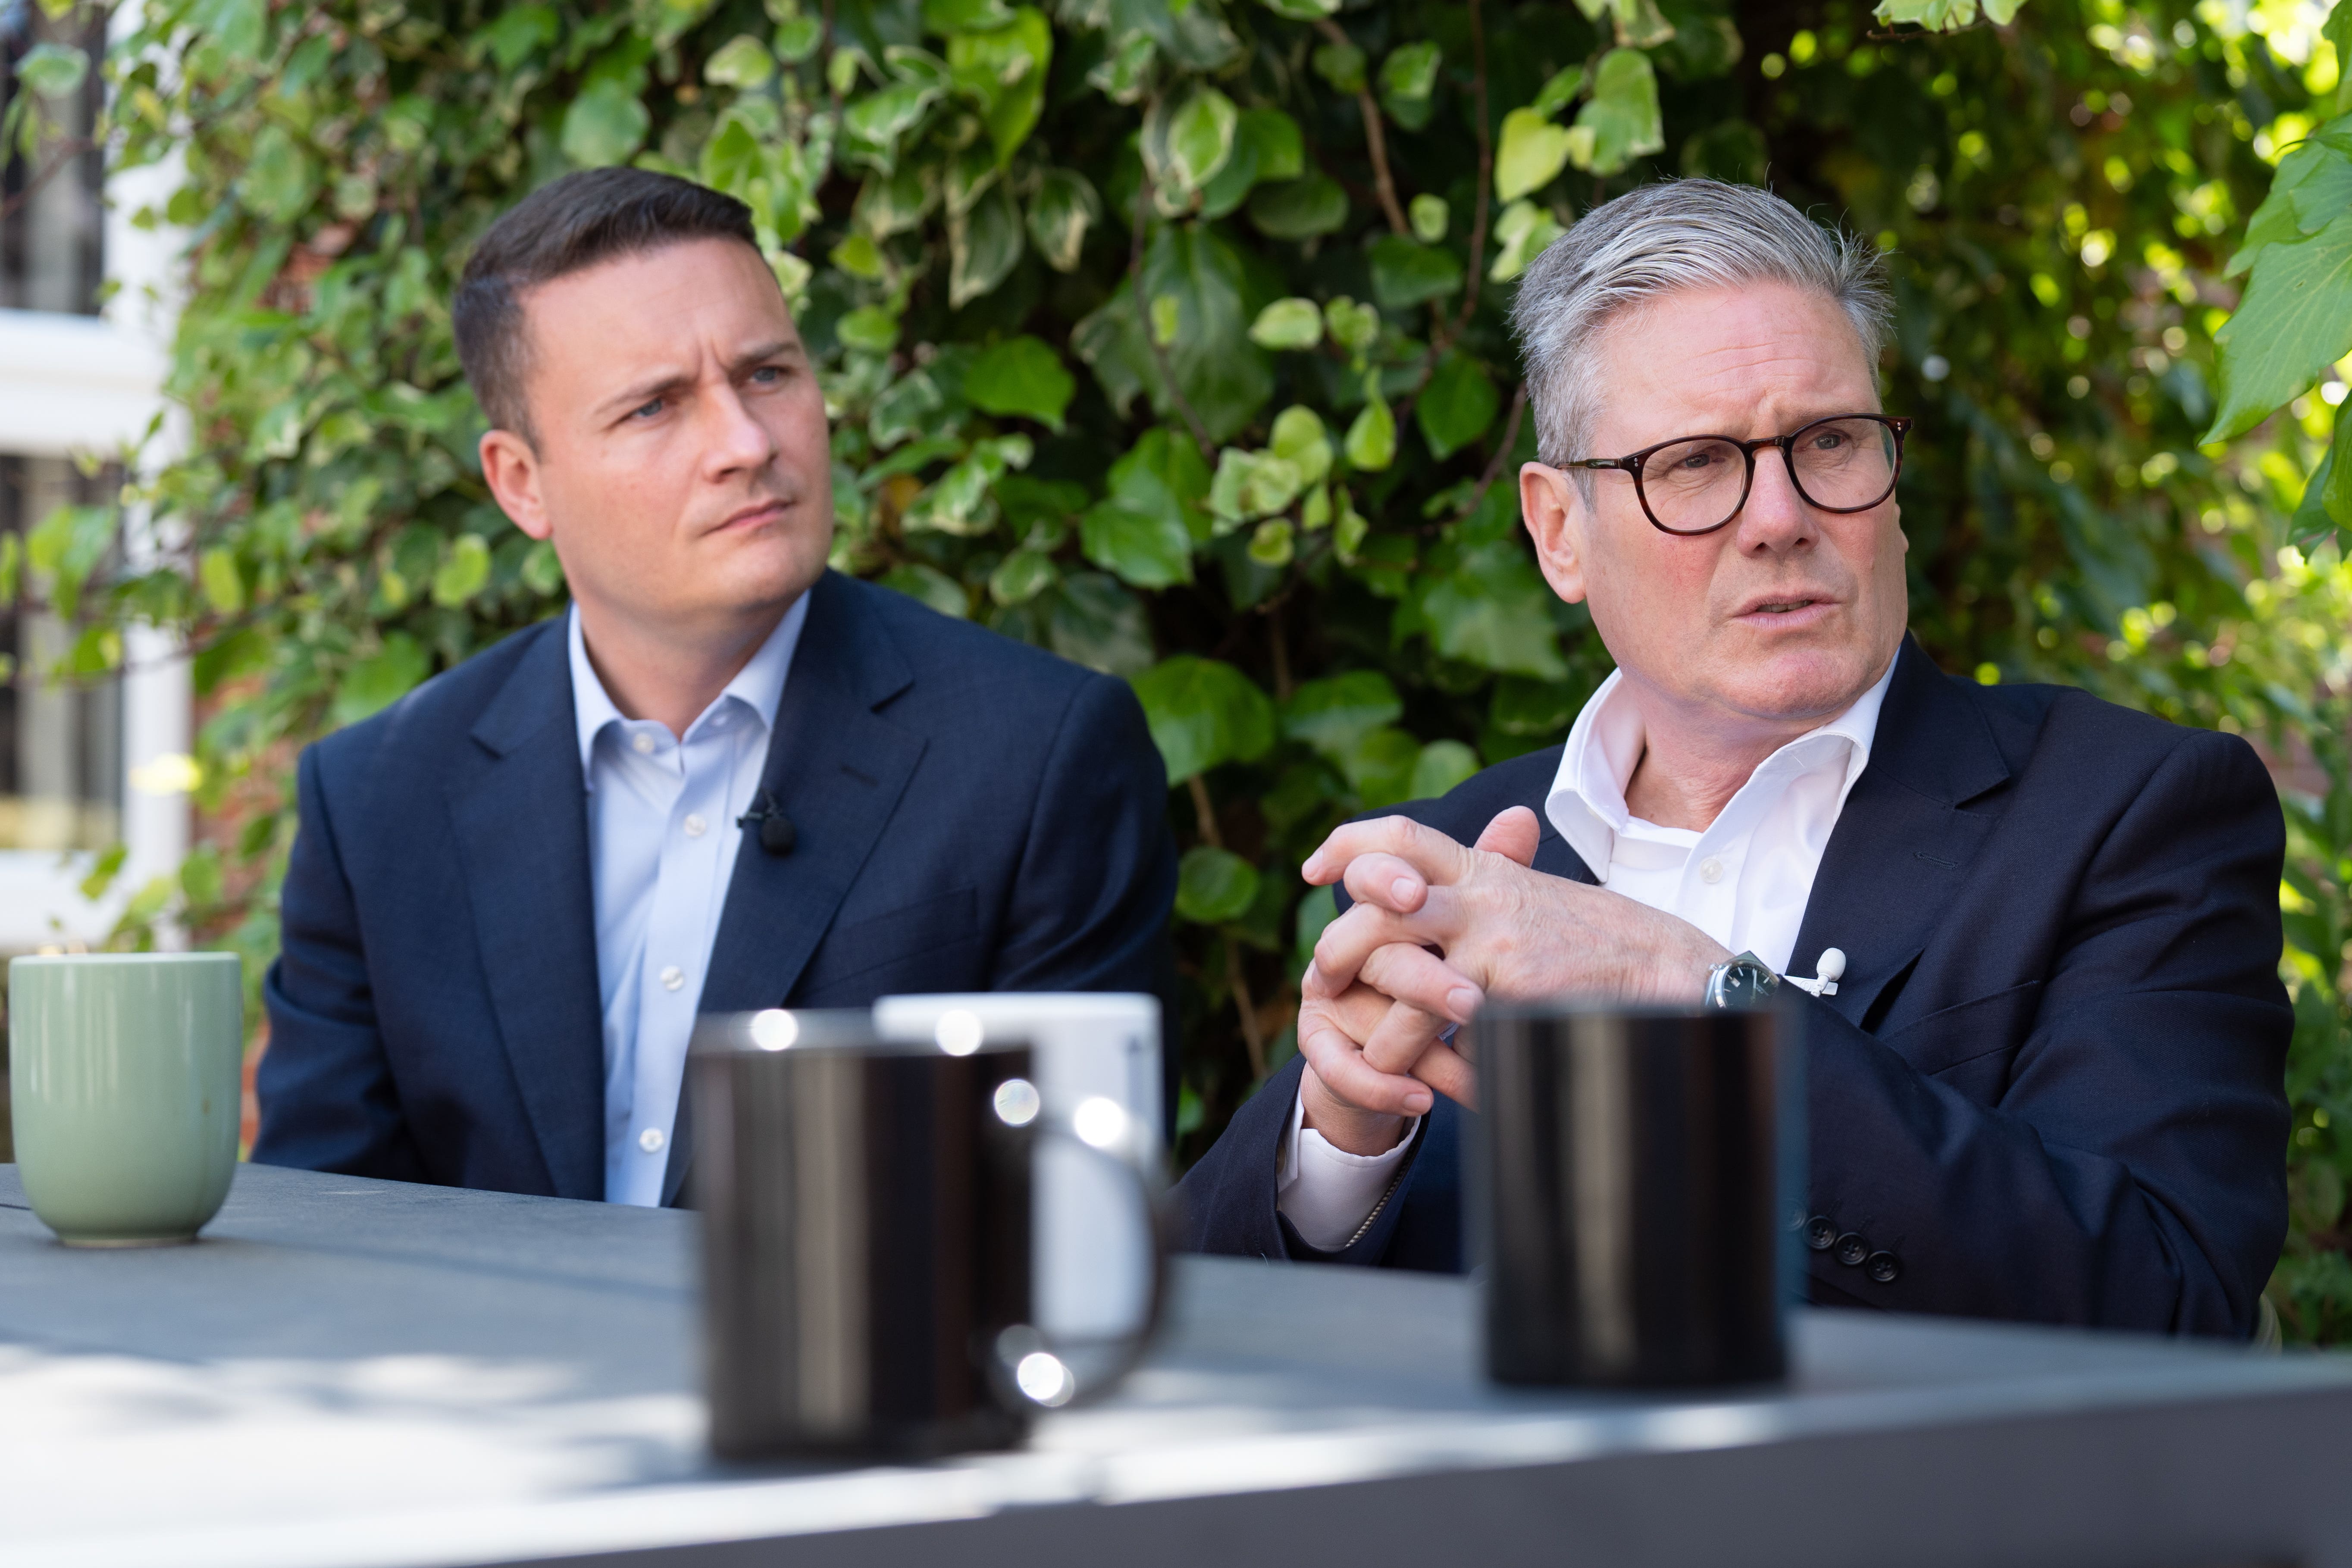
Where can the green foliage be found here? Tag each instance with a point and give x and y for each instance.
(1122, 320)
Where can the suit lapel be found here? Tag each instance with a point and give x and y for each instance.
(1553, 856)
(837, 769)
(1902, 845)
(517, 803)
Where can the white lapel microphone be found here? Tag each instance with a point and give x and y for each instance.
(1831, 970)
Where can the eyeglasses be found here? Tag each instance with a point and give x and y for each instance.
(1847, 462)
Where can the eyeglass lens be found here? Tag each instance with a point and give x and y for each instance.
(1840, 465)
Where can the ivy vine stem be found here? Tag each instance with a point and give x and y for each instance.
(1486, 170)
(1205, 811)
(1375, 139)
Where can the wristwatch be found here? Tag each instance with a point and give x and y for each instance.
(1743, 982)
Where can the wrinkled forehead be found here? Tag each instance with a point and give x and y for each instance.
(1739, 355)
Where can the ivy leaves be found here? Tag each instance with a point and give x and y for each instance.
(2295, 321)
(1021, 377)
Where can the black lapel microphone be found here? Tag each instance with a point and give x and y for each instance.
(776, 835)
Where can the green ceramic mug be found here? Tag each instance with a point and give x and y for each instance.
(124, 1079)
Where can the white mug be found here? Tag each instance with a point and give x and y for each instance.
(1087, 1046)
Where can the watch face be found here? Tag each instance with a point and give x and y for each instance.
(1742, 982)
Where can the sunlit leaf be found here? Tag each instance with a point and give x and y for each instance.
(223, 587)
(1371, 438)
(1150, 548)
(1273, 545)
(605, 125)
(1288, 324)
(1204, 712)
(1021, 375)
(1008, 67)
(463, 571)
(1559, 91)
(742, 62)
(1250, 485)
(2295, 321)
(1299, 439)
(1187, 138)
(1533, 151)
(1521, 234)
(1352, 326)
(1622, 116)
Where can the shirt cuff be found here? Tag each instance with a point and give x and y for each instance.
(1326, 1191)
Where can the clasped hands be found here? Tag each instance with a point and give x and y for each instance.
(1436, 930)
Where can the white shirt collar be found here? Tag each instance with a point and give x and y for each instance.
(758, 685)
(1587, 803)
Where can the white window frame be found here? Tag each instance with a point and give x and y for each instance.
(73, 385)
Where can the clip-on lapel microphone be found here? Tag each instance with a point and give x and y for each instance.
(776, 835)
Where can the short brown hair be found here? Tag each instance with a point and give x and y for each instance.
(568, 225)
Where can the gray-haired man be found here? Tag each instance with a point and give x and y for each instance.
(2048, 1080)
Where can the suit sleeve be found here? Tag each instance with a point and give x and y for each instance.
(328, 1101)
(2131, 1174)
(1089, 908)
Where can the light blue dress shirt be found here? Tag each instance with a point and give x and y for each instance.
(661, 848)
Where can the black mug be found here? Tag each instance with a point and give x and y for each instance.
(1637, 1172)
(866, 1247)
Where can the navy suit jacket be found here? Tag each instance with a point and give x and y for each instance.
(2051, 1081)
(973, 815)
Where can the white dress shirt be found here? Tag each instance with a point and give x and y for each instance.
(1744, 882)
(661, 849)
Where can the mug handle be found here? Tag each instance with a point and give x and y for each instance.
(1026, 1366)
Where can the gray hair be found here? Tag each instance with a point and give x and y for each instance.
(1677, 234)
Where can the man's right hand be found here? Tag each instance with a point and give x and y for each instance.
(1359, 1047)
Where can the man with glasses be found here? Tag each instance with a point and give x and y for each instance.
(2032, 937)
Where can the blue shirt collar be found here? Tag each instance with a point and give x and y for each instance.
(757, 685)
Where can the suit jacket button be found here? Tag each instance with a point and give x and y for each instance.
(1852, 1249)
(1821, 1233)
(1884, 1267)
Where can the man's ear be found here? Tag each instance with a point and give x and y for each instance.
(1555, 514)
(510, 468)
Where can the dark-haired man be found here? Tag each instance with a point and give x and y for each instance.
(727, 779)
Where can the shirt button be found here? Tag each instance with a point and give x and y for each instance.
(694, 826)
(1710, 869)
(672, 977)
(651, 1139)
(642, 743)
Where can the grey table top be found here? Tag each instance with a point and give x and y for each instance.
(346, 1374)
